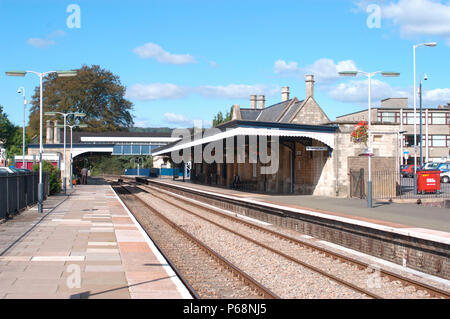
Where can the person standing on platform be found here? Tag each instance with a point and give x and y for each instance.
(84, 174)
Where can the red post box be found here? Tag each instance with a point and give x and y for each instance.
(428, 181)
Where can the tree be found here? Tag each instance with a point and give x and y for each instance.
(219, 118)
(55, 177)
(94, 91)
(10, 134)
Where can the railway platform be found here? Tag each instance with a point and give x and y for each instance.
(406, 216)
(85, 245)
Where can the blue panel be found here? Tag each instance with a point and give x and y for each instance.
(117, 150)
(136, 149)
(146, 150)
(127, 149)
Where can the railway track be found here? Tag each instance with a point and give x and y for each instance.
(433, 291)
(204, 272)
(406, 282)
(359, 290)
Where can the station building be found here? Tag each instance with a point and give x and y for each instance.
(316, 156)
(305, 148)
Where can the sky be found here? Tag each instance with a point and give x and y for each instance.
(187, 60)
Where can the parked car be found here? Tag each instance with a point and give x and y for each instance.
(12, 170)
(8, 170)
(437, 166)
(445, 177)
(407, 170)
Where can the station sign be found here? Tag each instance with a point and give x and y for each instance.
(316, 148)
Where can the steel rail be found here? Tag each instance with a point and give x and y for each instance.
(433, 291)
(275, 251)
(259, 288)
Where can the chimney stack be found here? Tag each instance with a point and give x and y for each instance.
(285, 93)
(253, 100)
(56, 134)
(236, 114)
(49, 135)
(310, 86)
(262, 100)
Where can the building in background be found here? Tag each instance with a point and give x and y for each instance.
(395, 116)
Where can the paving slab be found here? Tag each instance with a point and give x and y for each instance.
(86, 244)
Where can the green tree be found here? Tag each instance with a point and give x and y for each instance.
(10, 135)
(94, 91)
(55, 177)
(219, 118)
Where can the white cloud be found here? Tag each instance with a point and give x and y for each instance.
(181, 120)
(165, 91)
(40, 43)
(156, 91)
(154, 51)
(356, 91)
(420, 17)
(281, 67)
(324, 70)
(212, 64)
(235, 91)
(47, 41)
(436, 97)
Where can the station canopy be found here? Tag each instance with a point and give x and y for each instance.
(322, 133)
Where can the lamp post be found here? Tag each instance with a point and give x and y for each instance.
(22, 90)
(41, 148)
(75, 114)
(428, 44)
(425, 78)
(71, 142)
(369, 151)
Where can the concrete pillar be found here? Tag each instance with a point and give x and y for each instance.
(262, 101)
(285, 93)
(253, 100)
(309, 86)
(49, 135)
(56, 133)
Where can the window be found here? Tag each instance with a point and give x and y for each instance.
(440, 140)
(389, 117)
(440, 118)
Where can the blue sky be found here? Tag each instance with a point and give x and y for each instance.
(187, 60)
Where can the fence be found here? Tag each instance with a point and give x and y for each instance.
(390, 185)
(17, 191)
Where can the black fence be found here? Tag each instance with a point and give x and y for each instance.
(17, 191)
(392, 185)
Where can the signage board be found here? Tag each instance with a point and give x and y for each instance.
(316, 148)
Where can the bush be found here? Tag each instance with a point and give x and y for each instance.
(55, 176)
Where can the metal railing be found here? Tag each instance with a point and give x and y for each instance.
(391, 185)
(18, 191)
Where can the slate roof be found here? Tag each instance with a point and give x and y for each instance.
(291, 112)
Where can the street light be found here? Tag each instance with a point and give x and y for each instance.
(369, 151)
(76, 114)
(41, 148)
(22, 90)
(425, 78)
(428, 44)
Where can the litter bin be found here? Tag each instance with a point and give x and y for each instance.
(428, 181)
